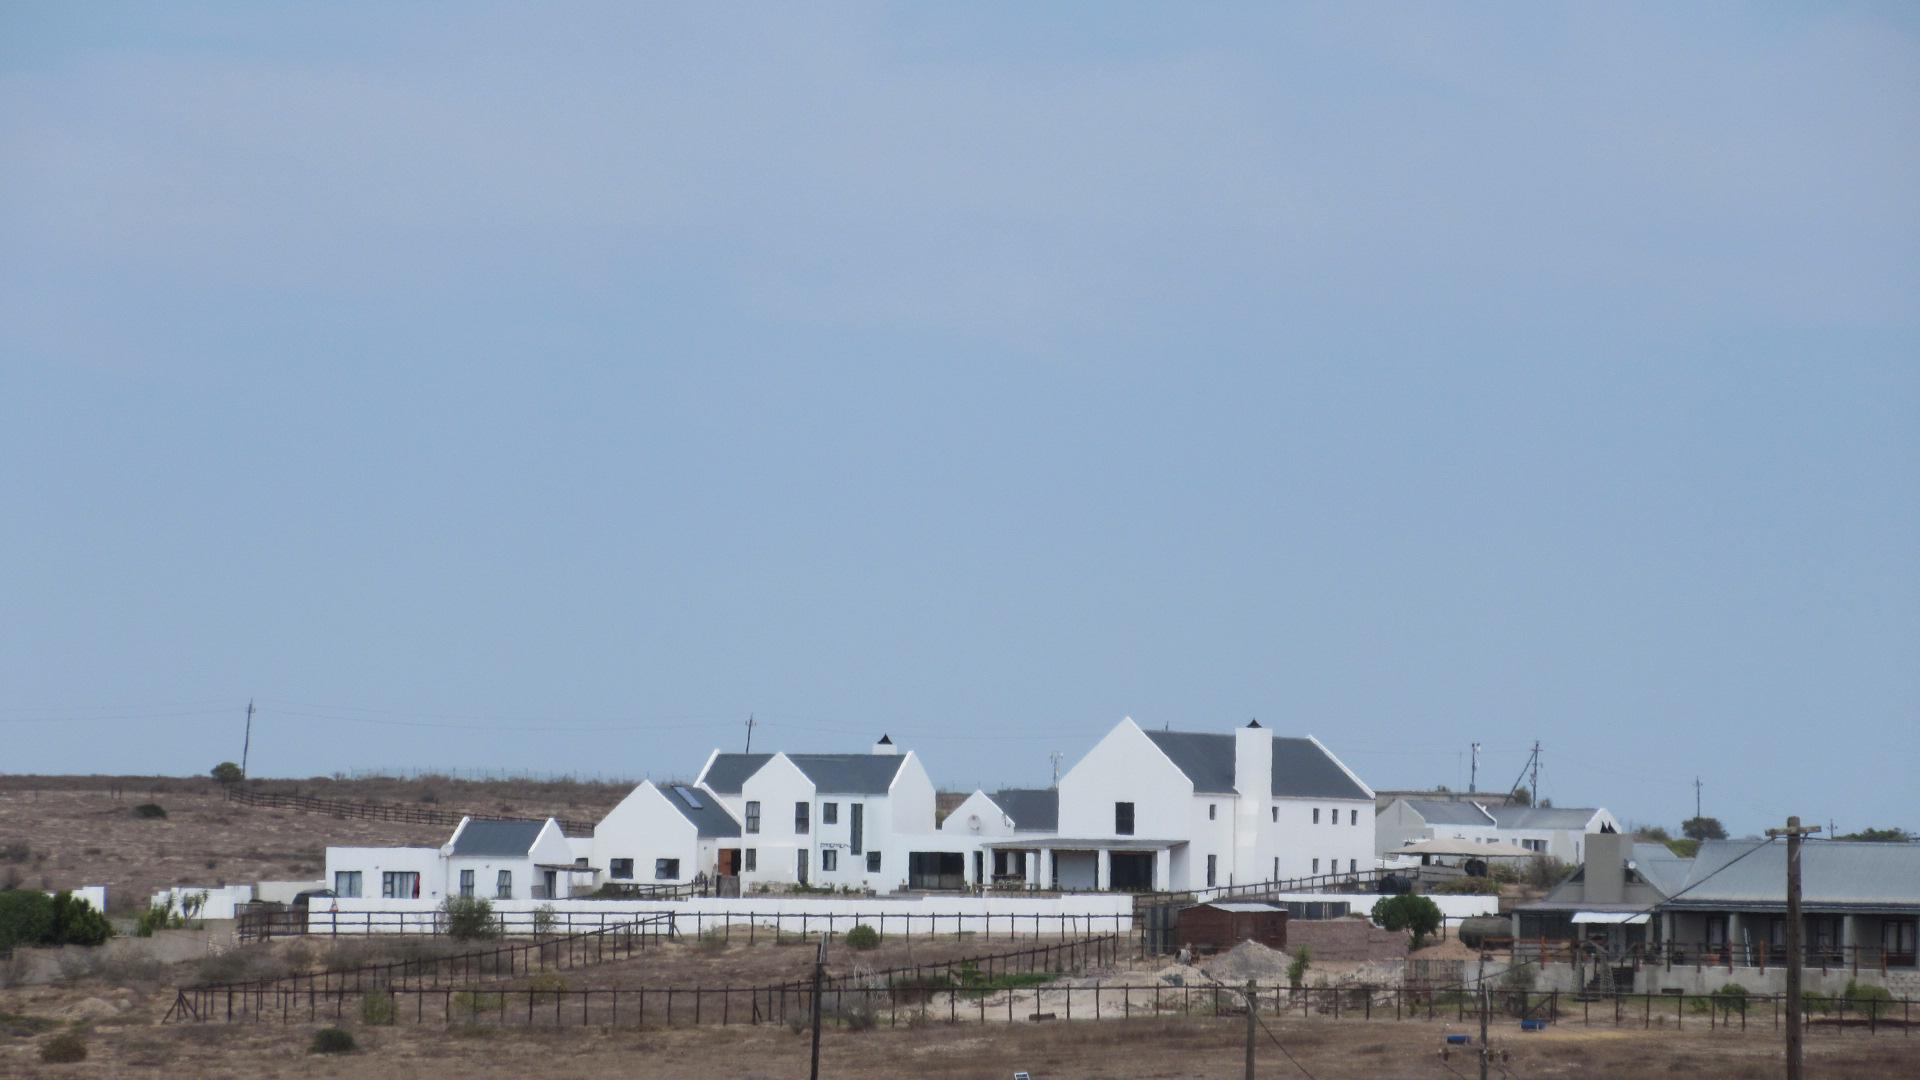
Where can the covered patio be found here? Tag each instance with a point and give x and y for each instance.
(1119, 864)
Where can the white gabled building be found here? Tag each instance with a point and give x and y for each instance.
(827, 820)
(491, 859)
(666, 836)
(1183, 809)
(1555, 831)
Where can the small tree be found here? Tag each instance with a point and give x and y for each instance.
(228, 773)
(1656, 834)
(468, 918)
(1879, 836)
(1408, 912)
(1521, 796)
(863, 937)
(1703, 828)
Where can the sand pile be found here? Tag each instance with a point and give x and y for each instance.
(1250, 960)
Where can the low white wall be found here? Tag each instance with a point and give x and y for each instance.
(1072, 915)
(95, 895)
(1453, 908)
(221, 899)
(283, 892)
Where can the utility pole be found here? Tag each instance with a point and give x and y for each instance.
(1535, 783)
(1486, 1007)
(749, 733)
(1056, 767)
(819, 967)
(1253, 1007)
(247, 746)
(1793, 832)
(1473, 777)
(1696, 798)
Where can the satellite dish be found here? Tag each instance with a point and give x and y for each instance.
(973, 822)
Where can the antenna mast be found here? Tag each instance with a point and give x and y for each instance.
(749, 733)
(246, 747)
(1473, 778)
(1056, 767)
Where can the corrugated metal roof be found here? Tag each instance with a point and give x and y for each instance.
(709, 818)
(497, 837)
(729, 771)
(1301, 769)
(1448, 812)
(1834, 873)
(1661, 868)
(1032, 809)
(849, 774)
(1543, 817)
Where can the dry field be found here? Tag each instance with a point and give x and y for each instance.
(80, 832)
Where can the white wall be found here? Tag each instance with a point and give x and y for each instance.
(284, 892)
(1345, 847)
(1125, 766)
(221, 899)
(94, 895)
(645, 827)
(776, 787)
(993, 820)
(371, 862)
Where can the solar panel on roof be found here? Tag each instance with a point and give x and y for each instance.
(686, 795)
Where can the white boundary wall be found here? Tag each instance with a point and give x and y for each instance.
(1453, 908)
(1079, 914)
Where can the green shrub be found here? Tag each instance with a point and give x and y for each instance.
(544, 920)
(546, 988)
(156, 917)
(149, 811)
(1468, 886)
(863, 937)
(75, 922)
(1732, 992)
(1297, 970)
(332, 1040)
(26, 918)
(1868, 999)
(1408, 912)
(469, 918)
(227, 773)
(377, 1008)
(64, 1047)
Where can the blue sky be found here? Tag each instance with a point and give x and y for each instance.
(487, 387)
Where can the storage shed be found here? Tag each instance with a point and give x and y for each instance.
(1222, 924)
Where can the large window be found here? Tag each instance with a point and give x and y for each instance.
(753, 817)
(1534, 845)
(466, 883)
(400, 885)
(873, 862)
(666, 869)
(1213, 868)
(1316, 866)
(936, 870)
(799, 818)
(856, 831)
(829, 860)
(621, 869)
(346, 883)
(753, 859)
(1123, 818)
(830, 813)
(503, 886)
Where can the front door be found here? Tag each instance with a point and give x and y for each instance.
(729, 861)
(800, 865)
(552, 878)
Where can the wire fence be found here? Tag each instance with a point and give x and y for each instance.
(374, 811)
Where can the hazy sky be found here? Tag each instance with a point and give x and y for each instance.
(551, 388)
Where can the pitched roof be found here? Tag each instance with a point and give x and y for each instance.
(1032, 809)
(1450, 812)
(849, 774)
(1543, 817)
(1661, 868)
(497, 837)
(709, 818)
(1834, 873)
(1300, 767)
(728, 771)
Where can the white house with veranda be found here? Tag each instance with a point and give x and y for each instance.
(1184, 809)
(666, 836)
(491, 859)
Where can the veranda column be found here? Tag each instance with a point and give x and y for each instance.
(1103, 870)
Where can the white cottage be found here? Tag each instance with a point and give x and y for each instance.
(666, 836)
(1555, 831)
(496, 860)
(1181, 809)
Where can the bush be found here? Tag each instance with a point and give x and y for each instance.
(26, 918)
(377, 1008)
(16, 851)
(544, 920)
(547, 987)
(156, 917)
(331, 1040)
(1417, 914)
(75, 922)
(149, 811)
(227, 773)
(1869, 999)
(1468, 886)
(863, 937)
(66, 1046)
(469, 918)
(1297, 970)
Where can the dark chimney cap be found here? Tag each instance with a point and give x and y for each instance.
(1253, 723)
(884, 741)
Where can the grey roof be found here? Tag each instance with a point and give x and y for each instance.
(497, 837)
(1543, 817)
(849, 774)
(1661, 868)
(709, 818)
(1300, 768)
(729, 771)
(1032, 809)
(1834, 874)
(1449, 812)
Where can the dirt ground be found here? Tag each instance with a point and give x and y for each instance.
(83, 831)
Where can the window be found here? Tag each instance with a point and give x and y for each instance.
(1532, 845)
(1213, 865)
(1213, 810)
(666, 869)
(1353, 817)
(856, 832)
(621, 869)
(829, 860)
(400, 885)
(503, 887)
(873, 862)
(1316, 815)
(1123, 818)
(466, 883)
(800, 865)
(1276, 868)
(346, 883)
(1316, 866)
(830, 813)
(1276, 814)
(1353, 866)
(753, 859)
(799, 817)
(753, 817)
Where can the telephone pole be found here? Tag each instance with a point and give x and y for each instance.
(246, 747)
(819, 966)
(1473, 777)
(1696, 798)
(749, 733)
(1253, 1008)
(1534, 791)
(1486, 1007)
(1056, 767)
(1793, 832)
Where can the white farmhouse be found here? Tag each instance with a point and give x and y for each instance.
(1182, 809)
(666, 836)
(1009, 812)
(833, 820)
(496, 860)
(1555, 831)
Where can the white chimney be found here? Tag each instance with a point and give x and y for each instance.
(885, 746)
(1253, 779)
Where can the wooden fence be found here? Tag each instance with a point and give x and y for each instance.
(373, 811)
(752, 927)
